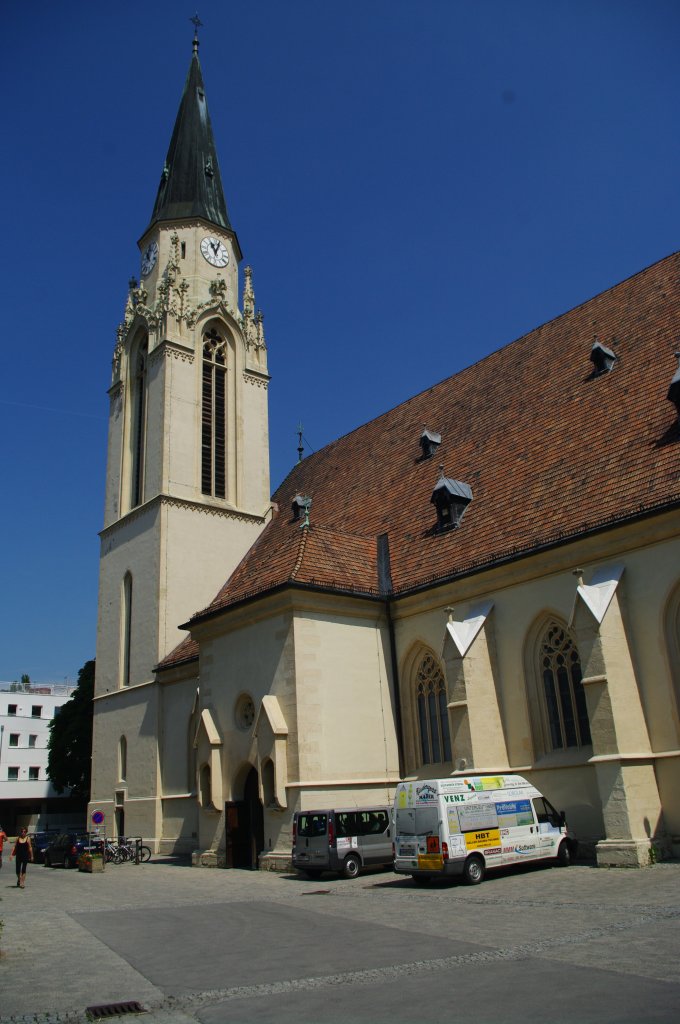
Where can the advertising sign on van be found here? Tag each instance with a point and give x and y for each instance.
(477, 816)
(484, 782)
(513, 813)
(430, 861)
(426, 794)
(480, 840)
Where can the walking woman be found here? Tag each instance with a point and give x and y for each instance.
(23, 852)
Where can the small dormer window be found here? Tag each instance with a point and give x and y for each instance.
(300, 507)
(674, 390)
(602, 358)
(429, 442)
(450, 499)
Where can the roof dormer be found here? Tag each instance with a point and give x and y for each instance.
(602, 358)
(674, 389)
(429, 442)
(450, 499)
(300, 507)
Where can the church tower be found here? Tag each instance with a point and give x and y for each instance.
(187, 482)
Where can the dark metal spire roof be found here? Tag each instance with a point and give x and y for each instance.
(190, 184)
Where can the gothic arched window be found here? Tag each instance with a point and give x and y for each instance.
(563, 693)
(192, 753)
(125, 630)
(672, 623)
(268, 783)
(122, 759)
(214, 415)
(205, 785)
(139, 424)
(433, 719)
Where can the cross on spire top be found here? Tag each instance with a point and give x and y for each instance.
(197, 23)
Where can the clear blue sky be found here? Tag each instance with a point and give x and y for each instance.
(415, 183)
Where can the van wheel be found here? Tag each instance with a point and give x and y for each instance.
(473, 871)
(350, 868)
(564, 857)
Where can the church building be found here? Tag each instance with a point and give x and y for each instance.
(484, 578)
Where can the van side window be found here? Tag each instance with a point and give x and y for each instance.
(345, 823)
(312, 825)
(546, 813)
(374, 823)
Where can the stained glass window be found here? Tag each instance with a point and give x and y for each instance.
(433, 719)
(565, 699)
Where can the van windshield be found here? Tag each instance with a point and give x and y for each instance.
(311, 825)
(417, 821)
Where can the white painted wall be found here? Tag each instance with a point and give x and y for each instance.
(29, 753)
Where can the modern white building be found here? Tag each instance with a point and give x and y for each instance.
(27, 797)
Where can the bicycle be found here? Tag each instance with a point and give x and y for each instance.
(127, 850)
(110, 851)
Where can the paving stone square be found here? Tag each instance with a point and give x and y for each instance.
(185, 949)
(212, 946)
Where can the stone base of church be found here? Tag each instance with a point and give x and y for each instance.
(175, 847)
(208, 859)
(630, 853)
(275, 861)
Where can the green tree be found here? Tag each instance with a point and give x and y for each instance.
(70, 742)
(26, 683)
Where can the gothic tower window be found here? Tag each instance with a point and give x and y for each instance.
(433, 719)
(126, 630)
(563, 694)
(139, 423)
(122, 759)
(214, 416)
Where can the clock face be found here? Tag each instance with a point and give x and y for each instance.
(149, 257)
(214, 251)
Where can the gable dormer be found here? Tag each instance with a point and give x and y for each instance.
(602, 358)
(429, 442)
(450, 499)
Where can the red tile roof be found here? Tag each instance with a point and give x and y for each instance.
(549, 449)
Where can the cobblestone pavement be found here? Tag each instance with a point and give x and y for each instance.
(215, 946)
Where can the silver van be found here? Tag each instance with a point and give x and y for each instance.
(342, 840)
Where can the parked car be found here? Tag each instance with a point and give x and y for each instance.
(65, 849)
(40, 841)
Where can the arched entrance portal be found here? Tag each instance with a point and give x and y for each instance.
(245, 826)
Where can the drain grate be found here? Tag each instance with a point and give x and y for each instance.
(113, 1010)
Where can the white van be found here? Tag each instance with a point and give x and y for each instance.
(464, 825)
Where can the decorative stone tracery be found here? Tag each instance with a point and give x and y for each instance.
(173, 303)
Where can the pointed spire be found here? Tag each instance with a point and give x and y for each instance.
(190, 184)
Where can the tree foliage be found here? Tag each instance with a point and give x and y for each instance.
(23, 687)
(70, 742)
